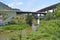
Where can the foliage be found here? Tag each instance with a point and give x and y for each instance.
(49, 16)
(29, 19)
(17, 23)
(57, 11)
(47, 30)
(11, 22)
(15, 26)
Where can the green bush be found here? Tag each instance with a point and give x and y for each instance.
(29, 19)
(49, 16)
(57, 11)
(47, 30)
(15, 26)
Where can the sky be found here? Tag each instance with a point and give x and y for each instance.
(29, 5)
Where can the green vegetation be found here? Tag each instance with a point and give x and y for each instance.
(17, 23)
(14, 27)
(49, 16)
(29, 19)
(57, 11)
(48, 29)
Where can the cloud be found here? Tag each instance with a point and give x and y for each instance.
(20, 3)
(15, 4)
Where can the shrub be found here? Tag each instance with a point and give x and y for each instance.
(47, 30)
(57, 11)
(49, 16)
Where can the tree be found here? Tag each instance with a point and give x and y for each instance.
(29, 19)
(49, 16)
(57, 11)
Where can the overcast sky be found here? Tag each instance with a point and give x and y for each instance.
(29, 5)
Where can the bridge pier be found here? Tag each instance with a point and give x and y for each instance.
(34, 14)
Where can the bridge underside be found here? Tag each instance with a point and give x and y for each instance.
(30, 13)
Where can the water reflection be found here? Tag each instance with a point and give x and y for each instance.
(29, 29)
(33, 27)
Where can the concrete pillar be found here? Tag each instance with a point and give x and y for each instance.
(47, 11)
(38, 20)
(53, 11)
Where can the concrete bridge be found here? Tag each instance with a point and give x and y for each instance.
(51, 8)
(12, 13)
(34, 14)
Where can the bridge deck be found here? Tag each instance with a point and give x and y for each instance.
(30, 13)
(48, 8)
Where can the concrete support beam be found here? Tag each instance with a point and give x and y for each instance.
(53, 10)
(47, 11)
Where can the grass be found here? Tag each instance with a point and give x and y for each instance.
(18, 22)
(14, 27)
(47, 30)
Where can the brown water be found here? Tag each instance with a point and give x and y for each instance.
(6, 35)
